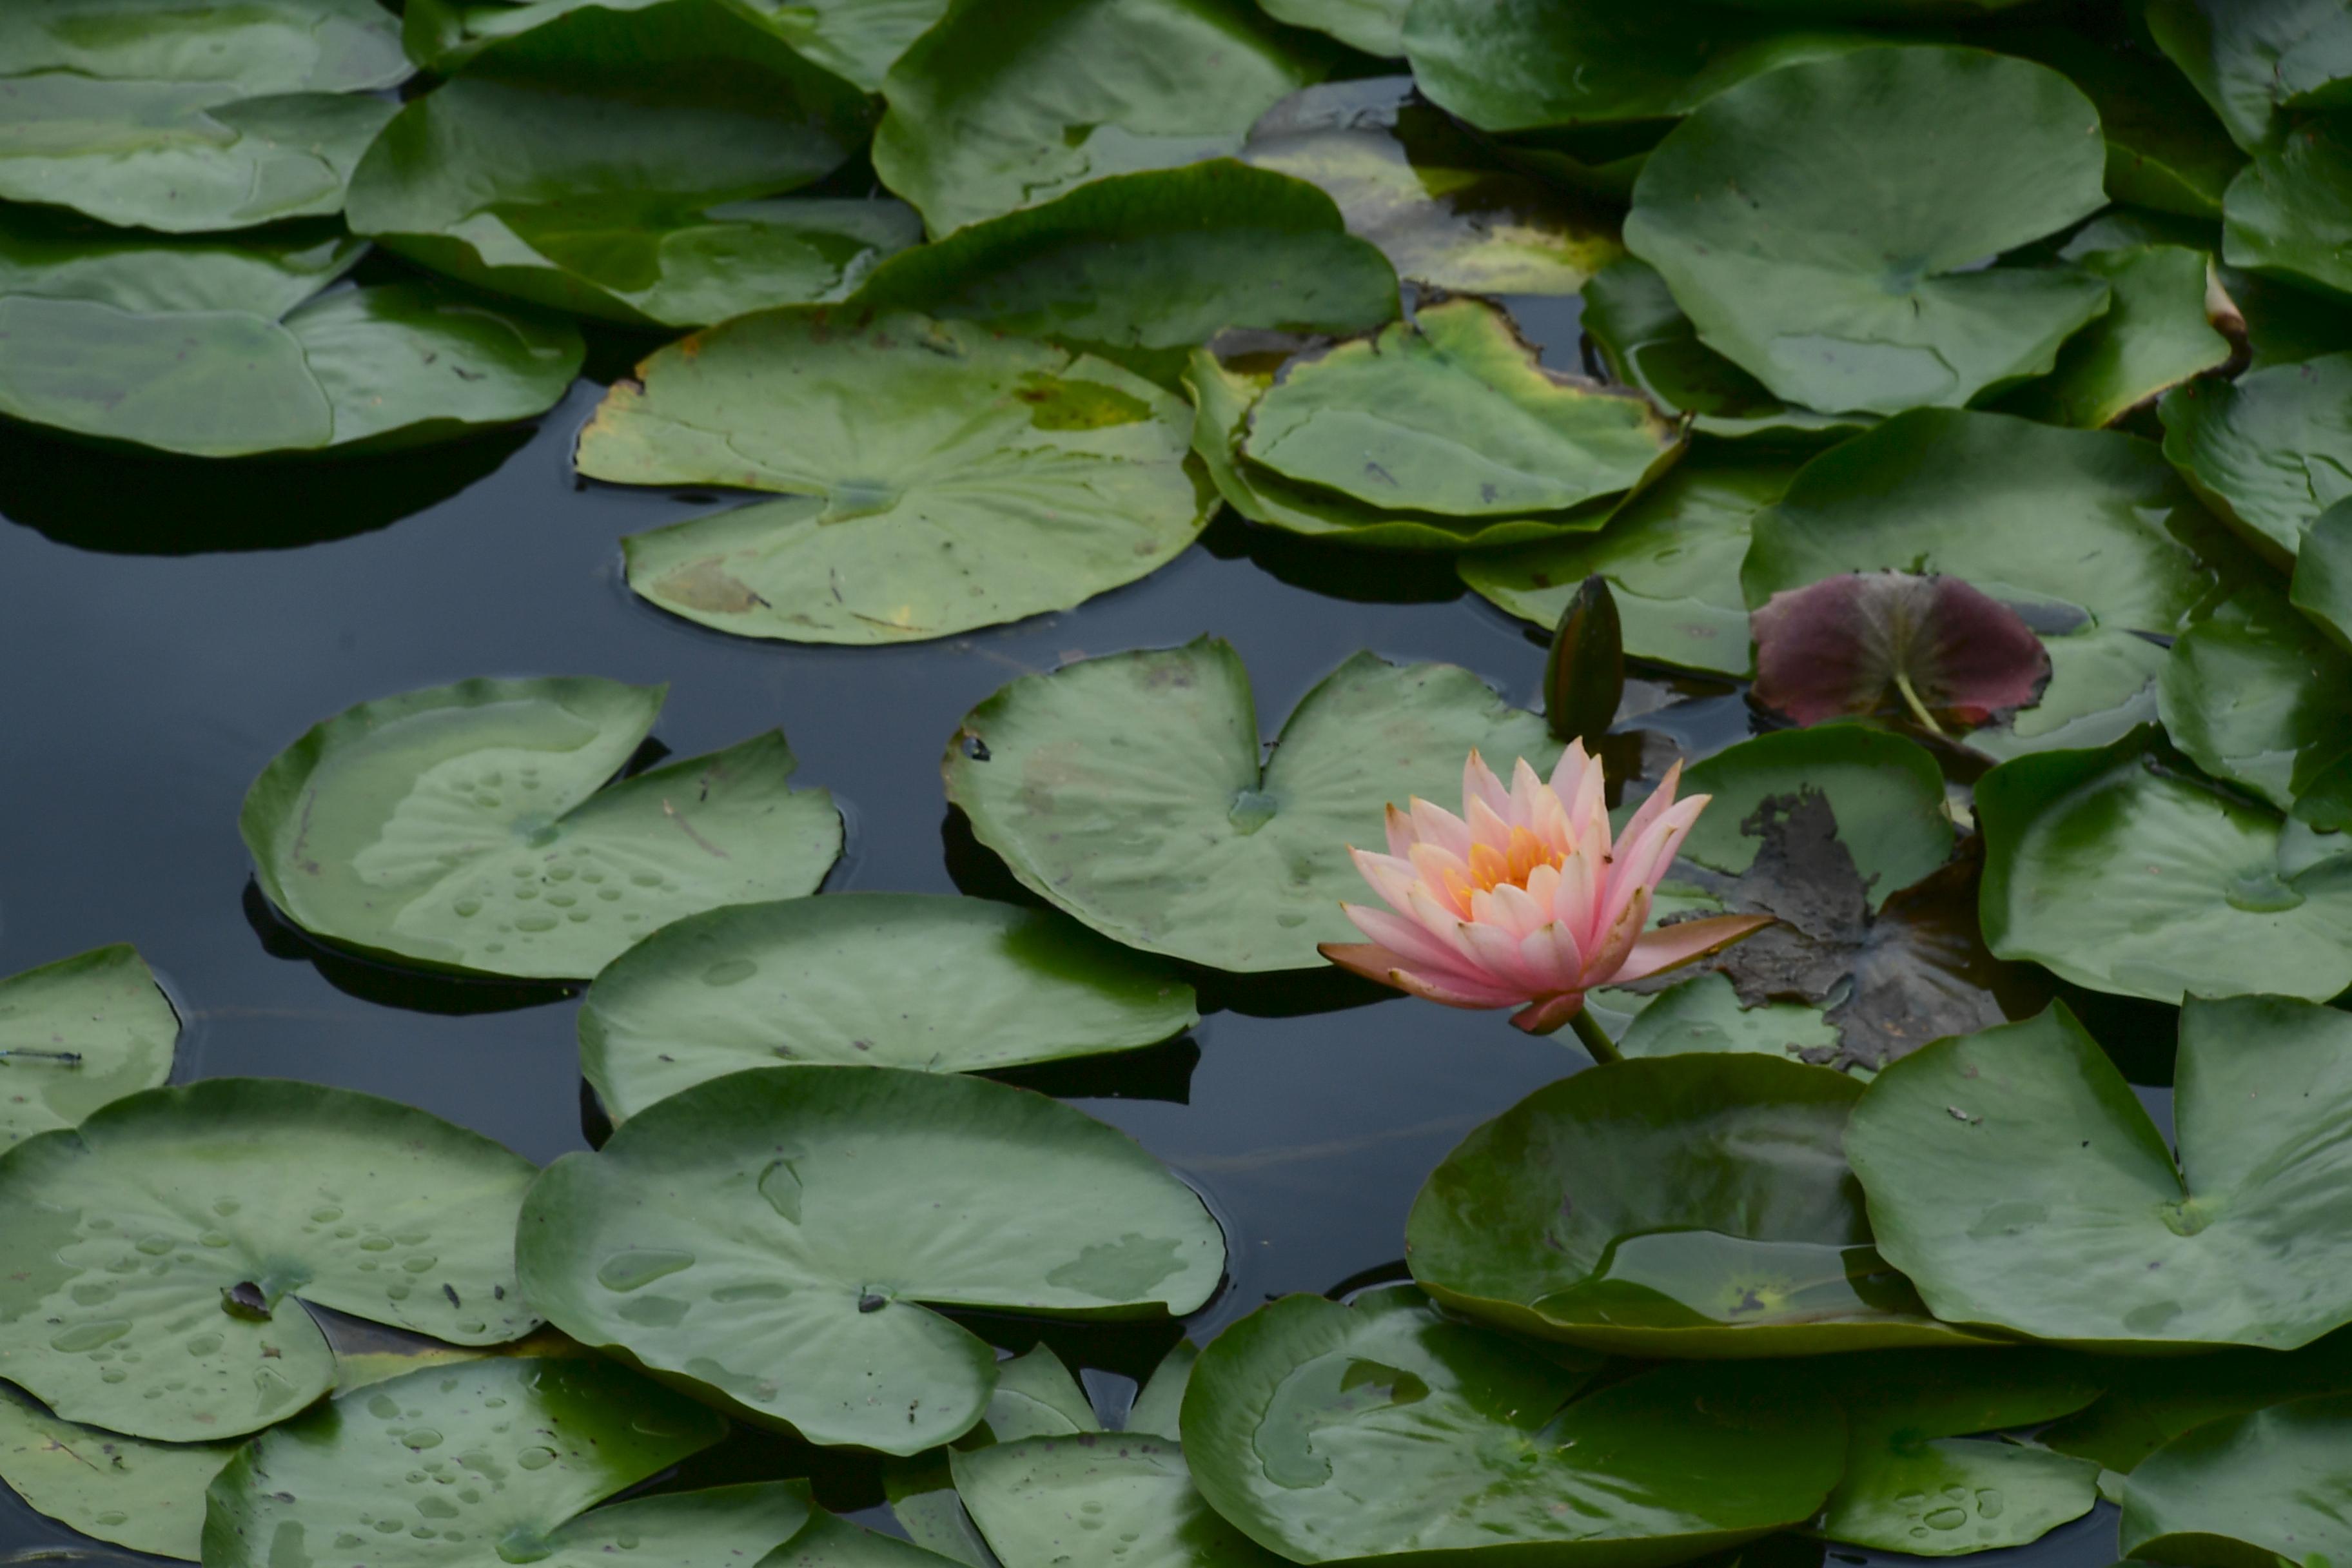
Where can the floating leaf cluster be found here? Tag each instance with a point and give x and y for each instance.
(1972, 381)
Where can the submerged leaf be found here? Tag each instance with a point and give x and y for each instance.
(1891, 979)
(1872, 643)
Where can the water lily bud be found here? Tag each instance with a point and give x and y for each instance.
(1585, 677)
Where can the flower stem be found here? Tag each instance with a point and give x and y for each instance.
(1919, 709)
(62, 1058)
(1595, 1039)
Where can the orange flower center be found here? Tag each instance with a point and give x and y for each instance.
(1490, 868)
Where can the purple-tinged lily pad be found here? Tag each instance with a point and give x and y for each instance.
(1891, 642)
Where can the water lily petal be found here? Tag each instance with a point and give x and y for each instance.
(1376, 963)
(1401, 835)
(1436, 826)
(1662, 799)
(1608, 955)
(1669, 947)
(1391, 879)
(1412, 942)
(1497, 952)
(1479, 784)
(1443, 877)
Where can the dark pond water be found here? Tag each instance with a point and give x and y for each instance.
(165, 628)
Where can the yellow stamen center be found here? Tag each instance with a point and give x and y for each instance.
(1491, 867)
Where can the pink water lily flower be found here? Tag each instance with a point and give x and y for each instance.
(1522, 901)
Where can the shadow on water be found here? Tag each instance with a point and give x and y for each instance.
(126, 503)
(389, 984)
(1361, 576)
(1162, 1072)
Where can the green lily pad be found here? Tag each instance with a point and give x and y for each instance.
(493, 1462)
(1045, 1501)
(58, 255)
(2125, 872)
(1130, 790)
(940, 476)
(2268, 452)
(357, 369)
(1375, 26)
(158, 114)
(2269, 1487)
(992, 109)
(2251, 59)
(1451, 413)
(1704, 1014)
(165, 1261)
(2255, 694)
(1438, 205)
(2284, 213)
(1036, 1397)
(1687, 1205)
(887, 979)
(1805, 254)
(149, 1496)
(1530, 65)
(763, 1240)
(2083, 533)
(1225, 390)
(856, 40)
(1916, 1481)
(1887, 792)
(2154, 336)
(2013, 1175)
(2107, 686)
(1648, 342)
(1140, 267)
(614, 161)
(468, 826)
(1672, 556)
(2166, 150)
(79, 1034)
(1157, 1409)
(2322, 588)
(2150, 1402)
(1385, 1430)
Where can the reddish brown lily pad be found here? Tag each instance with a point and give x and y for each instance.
(1930, 649)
